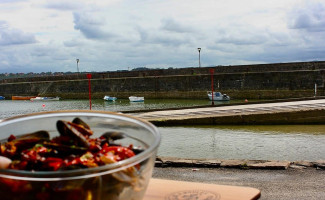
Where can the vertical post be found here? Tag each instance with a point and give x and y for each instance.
(199, 49)
(77, 64)
(89, 88)
(315, 90)
(212, 72)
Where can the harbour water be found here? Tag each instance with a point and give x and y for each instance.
(276, 142)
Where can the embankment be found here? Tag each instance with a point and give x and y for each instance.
(269, 81)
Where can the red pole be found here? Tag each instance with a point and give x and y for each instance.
(89, 88)
(211, 72)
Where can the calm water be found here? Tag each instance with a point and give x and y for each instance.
(283, 142)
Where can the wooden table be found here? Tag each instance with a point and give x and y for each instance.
(182, 190)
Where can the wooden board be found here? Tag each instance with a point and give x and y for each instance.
(182, 190)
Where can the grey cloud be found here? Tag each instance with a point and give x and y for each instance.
(63, 5)
(240, 40)
(9, 36)
(90, 27)
(143, 34)
(173, 26)
(71, 43)
(310, 18)
(164, 39)
(11, 1)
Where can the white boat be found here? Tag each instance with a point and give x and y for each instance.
(45, 99)
(217, 96)
(109, 98)
(136, 99)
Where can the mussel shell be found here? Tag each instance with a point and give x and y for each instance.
(137, 150)
(67, 129)
(113, 135)
(29, 140)
(65, 149)
(41, 135)
(26, 141)
(77, 120)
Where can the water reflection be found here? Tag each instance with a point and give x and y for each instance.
(283, 142)
(273, 129)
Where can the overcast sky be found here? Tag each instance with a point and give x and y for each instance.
(48, 36)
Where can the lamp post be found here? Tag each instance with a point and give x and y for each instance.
(199, 49)
(211, 72)
(89, 89)
(77, 64)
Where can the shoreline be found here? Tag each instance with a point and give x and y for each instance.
(164, 162)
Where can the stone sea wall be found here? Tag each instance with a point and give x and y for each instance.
(269, 81)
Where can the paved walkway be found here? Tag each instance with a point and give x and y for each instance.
(288, 184)
(308, 111)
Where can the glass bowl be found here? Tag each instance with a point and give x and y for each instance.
(126, 179)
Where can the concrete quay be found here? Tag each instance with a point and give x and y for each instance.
(275, 179)
(288, 112)
(287, 184)
(284, 180)
(238, 164)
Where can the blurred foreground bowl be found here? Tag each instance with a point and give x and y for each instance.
(126, 179)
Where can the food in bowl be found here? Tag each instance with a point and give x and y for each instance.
(74, 148)
(77, 162)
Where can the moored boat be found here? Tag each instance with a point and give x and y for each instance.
(2, 98)
(218, 96)
(136, 99)
(22, 97)
(109, 98)
(45, 99)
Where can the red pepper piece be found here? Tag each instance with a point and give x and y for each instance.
(120, 152)
(52, 163)
(11, 138)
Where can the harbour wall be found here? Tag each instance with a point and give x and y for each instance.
(269, 81)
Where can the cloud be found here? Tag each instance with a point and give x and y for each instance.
(161, 38)
(173, 26)
(310, 17)
(72, 43)
(63, 5)
(11, 1)
(10, 36)
(117, 34)
(90, 26)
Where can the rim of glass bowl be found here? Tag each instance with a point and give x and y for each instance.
(87, 172)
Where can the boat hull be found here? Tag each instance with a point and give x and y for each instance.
(217, 96)
(22, 97)
(45, 99)
(109, 98)
(136, 99)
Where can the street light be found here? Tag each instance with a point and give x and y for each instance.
(199, 49)
(78, 65)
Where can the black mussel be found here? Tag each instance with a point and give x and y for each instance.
(65, 149)
(25, 141)
(137, 150)
(41, 135)
(69, 129)
(113, 135)
(77, 120)
(29, 140)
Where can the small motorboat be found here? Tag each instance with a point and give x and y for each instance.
(136, 99)
(45, 99)
(2, 98)
(218, 96)
(109, 98)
